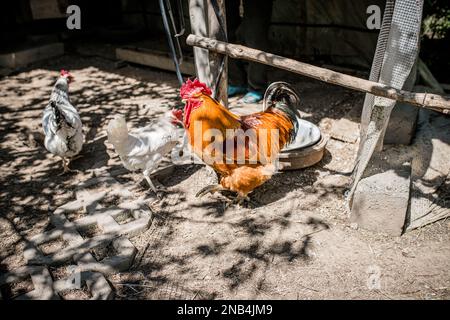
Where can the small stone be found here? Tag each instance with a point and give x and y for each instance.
(333, 181)
(407, 254)
(16, 220)
(354, 226)
(345, 130)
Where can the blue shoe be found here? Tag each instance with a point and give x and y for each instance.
(252, 97)
(236, 90)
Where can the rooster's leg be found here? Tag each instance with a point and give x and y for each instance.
(240, 199)
(66, 166)
(209, 189)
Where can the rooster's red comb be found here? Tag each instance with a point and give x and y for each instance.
(190, 87)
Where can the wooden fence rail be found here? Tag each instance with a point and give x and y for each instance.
(427, 100)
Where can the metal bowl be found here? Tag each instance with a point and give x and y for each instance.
(308, 134)
(306, 150)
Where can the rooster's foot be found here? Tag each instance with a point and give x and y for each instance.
(209, 189)
(240, 200)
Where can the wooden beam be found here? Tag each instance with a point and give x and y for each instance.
(427, 100)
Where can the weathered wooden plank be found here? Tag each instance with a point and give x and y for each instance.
(48, 9)
(24, 57)
(154, 59)
(241, 52)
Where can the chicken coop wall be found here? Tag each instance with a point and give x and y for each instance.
(325, 31)
(320, 31)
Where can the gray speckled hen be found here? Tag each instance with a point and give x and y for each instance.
(62, 123)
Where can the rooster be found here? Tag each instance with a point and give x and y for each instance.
(62, 124)
(203, 115)
(144, 148)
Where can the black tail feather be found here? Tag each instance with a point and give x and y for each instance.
(282, 96)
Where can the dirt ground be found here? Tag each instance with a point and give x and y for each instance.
(296, 244)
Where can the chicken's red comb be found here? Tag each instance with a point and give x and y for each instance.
(65, 73)
(190, 87)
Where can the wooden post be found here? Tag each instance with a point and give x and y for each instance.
(218, 62)
(204, 22)
(199, 28)
(431, 101)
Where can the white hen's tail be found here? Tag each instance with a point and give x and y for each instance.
(118, 133)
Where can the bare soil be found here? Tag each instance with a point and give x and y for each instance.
(17, 288)
(297, 243)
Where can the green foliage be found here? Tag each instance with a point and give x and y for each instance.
(436, 21)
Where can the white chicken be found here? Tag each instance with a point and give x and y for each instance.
(144, 148)
(62, 124)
